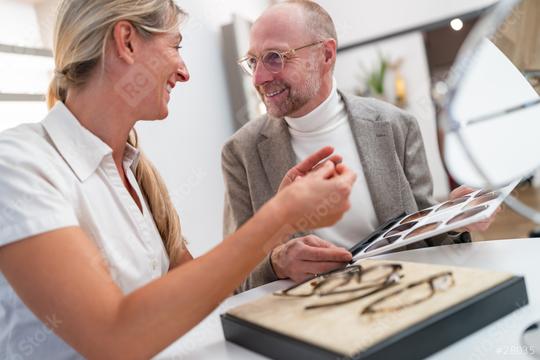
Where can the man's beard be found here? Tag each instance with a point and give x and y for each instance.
(295, 100)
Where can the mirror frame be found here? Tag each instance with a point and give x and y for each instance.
(445, 91)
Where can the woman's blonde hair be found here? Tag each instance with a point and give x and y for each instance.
(81, 33)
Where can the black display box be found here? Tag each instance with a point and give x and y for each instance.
(417, 341)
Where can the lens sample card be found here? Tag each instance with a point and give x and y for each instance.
(450, 215)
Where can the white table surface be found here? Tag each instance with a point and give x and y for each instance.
(499, 340)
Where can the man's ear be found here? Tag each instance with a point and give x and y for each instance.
(124, 39)
(330, 46)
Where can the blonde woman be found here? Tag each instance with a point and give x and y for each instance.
(92, 259)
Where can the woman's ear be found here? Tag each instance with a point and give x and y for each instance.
(124, 38)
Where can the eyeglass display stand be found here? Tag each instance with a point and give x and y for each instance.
(245, 325)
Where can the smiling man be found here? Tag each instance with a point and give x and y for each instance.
(291, 60)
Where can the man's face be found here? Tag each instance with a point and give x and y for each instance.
(293, 91)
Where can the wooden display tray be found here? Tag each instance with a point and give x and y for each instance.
(273, 328)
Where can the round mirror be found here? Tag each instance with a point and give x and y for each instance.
(490, 101)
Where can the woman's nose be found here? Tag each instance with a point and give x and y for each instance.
(182, 73)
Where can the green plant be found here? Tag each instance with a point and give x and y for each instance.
(375, 80)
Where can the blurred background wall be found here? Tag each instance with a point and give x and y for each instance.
(186, 147)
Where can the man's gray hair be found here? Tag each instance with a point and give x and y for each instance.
(318, 20)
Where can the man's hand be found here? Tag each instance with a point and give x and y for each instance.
(306, 256)
(460, 191)
(478, 226)
(311, 163)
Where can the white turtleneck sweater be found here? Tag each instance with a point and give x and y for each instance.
(328, 125)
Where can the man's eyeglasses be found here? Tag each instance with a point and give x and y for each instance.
(272, 60)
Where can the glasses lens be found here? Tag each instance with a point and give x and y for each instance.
(378, 274)
(451, 203)
(416, 216)
(467, 214)
(343, 272)
(483, 199)
(415, 293)
(337, 280)
(273, 61)
(406, 298)
(443, 282)
(382, 242)
(423, 229)
(400, 228)
(325, 282)
(248, 65)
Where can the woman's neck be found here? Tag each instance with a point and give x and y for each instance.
(105, 115)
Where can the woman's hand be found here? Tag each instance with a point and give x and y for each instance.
(320, 198)
(312, 162)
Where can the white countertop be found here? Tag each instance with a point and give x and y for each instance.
(499, 340)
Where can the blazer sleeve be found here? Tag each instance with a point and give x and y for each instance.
(237, 210)
(420, 180)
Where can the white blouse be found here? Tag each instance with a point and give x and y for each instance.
(56, 174)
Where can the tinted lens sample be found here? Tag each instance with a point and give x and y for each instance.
(482, 193)
(423, 229)
(467, 214)
(382, 242)
(416, 216)
(451, 203)
(400, 228)
(482, 199)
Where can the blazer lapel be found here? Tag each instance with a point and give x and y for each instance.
(376, 149)
(275, 151)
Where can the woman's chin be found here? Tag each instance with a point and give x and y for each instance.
(160, 114)
(164, 112)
